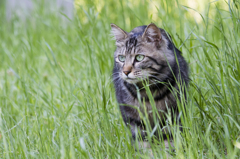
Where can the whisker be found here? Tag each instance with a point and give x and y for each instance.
(155, 77)
(115, 73)
(156, 73)
(116, 79)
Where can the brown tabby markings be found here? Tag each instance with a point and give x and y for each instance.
(158, 65)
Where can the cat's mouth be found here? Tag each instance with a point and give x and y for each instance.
(133, 79)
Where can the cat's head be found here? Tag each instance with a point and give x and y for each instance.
(142, 53)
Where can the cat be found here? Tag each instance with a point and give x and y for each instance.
(147, 54)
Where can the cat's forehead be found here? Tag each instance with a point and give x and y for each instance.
(133, 42)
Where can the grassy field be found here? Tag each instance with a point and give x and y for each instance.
(56, 94)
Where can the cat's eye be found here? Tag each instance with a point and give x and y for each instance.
(139, 57)
(121, 58)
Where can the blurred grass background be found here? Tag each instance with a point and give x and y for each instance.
(56, 94)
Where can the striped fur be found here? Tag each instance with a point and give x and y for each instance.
(159, 65)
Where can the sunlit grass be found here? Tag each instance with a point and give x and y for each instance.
(56, 94)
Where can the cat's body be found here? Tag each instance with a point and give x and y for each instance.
(146, 53)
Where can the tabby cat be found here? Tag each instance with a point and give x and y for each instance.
(147, 54)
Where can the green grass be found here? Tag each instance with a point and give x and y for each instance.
(56, 94)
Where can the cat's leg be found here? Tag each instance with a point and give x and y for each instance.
(132, 120)
(138, 131)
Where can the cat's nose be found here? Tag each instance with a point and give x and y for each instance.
(127, 69)
(126, 72)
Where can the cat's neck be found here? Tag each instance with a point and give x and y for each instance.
(157, 90)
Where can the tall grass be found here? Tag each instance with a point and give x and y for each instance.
(56, 94)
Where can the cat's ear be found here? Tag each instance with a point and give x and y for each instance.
(152, 34)
(118, 33)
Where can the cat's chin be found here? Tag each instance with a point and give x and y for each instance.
(131, 81)
(134, 80)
